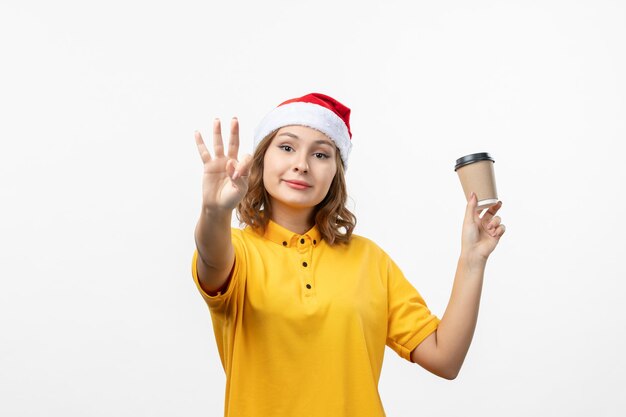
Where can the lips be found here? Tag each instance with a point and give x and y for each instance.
(298, 185)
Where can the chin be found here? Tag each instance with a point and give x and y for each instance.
(296, 203)
(299, 204)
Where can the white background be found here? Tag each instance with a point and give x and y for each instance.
(100, 189)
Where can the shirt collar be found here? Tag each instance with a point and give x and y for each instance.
(284, 237)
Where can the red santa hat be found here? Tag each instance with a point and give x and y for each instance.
(315, 110)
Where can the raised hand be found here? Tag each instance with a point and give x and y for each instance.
(481, 235)
(224, 179)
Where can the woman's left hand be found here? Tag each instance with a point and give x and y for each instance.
(480, 235)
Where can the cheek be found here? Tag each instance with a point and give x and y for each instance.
(264, 178)
(328, 180)
(267, 165)
(332, 174)
(271, 178)
(271, 162)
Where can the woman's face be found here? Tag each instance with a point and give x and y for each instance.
(298, 167)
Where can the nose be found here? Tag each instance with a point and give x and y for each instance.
(301, 165)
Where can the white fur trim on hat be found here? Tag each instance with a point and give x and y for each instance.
(309, 115)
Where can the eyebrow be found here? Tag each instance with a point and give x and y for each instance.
(320, 141)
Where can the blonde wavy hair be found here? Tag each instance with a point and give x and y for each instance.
(333, 219)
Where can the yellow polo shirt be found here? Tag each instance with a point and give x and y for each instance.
(302, 326)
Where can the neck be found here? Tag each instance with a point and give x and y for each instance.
(297, 220)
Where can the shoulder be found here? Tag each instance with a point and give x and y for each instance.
(241, 239)
(246, 235)
(237, 235)
(247, 239)
(358, 241)
(362, 245)
(236, 232)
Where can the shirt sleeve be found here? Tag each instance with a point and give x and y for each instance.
(224, 305)
(409, 321)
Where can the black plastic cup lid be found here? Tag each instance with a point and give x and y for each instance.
(470, 159)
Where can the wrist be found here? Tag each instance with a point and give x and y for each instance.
(212, 210)
(472, 260)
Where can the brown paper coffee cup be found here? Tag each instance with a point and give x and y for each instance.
(476, 174)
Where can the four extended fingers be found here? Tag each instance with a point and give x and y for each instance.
(218, 143)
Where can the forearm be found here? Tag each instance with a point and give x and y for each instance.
(455, 332)
(213, 239)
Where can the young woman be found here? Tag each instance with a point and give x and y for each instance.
(302, 309)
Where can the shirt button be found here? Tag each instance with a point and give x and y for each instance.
(308, 286)
(304, 264)
(302, 241)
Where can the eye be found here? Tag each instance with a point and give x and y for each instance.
(320, 155)
(286, 148)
